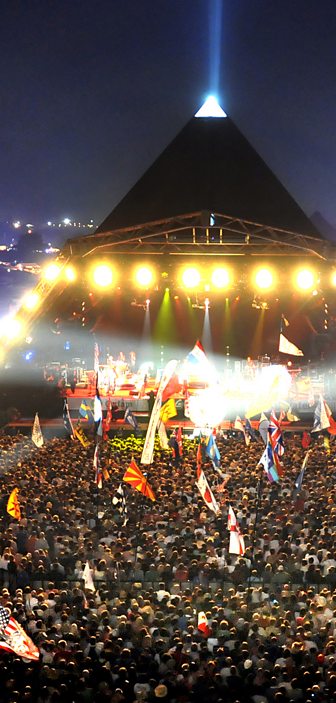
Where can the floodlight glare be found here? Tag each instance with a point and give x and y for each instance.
(333, 278)
(51, 272)
(103, 275)
(11, 328)
(263, 278)
(191, 278)
(144, 276)
(305, 279)
(70, 274)
(220, 278)
(31, 300)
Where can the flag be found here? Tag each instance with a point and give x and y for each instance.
(186, 400)
(87, 578)
(137, 480)
(249, 429)
(332, 423)
(206, 492)
(13, 505)
(173, 443)
(326, 444)
(81, 436)
(275, 435)
(148, 448)
(173, 387)
(267, 461)
(197, 354)
(85, 411)
(299, 479)
(321, 419)
(67, 419)
(306, 439)
(263, 427)
(179, 439)
(168, 410)
(37, 436)
(162, 435)
(239, 425)
(119, 502)
(131, 419)
(285, 346)
(96, 358)
(97, 467)
(212, 450)
(202, 624)
(14, 639)
(108, 420)
(237, 543)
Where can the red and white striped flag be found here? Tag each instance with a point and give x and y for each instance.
(14, 639)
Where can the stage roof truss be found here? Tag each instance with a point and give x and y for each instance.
(194, 234)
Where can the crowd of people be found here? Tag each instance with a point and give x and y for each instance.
(271, 614)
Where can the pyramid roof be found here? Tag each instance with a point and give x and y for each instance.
(209, 166)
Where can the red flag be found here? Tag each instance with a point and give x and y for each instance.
(108, 420)
(306, 439)
(203, 625)
(173, 386)
(136, 478)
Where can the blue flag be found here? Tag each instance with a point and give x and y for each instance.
(267, 460)
(85, 410)
(212, 450)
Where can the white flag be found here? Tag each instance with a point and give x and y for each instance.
(286, 347)
(148, 449)
(37, 436)
(88, 580)
(163, 435)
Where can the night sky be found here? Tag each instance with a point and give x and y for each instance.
(93, 90)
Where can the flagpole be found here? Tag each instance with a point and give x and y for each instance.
(254, 534)
(141, 514)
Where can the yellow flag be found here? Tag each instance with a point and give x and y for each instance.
(81, 436)
(326, 443)
(168, 410)
(13, 506)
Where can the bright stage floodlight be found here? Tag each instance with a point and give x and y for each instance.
(144, 276)
(263, 278)
(70, 274)
(221, 278)
(51, 272)
(10, 328)
(191, 278)
(333, 279)
(103, 275)
(31, 300)
(305, 279)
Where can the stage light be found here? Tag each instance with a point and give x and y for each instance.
(305, 279)
(51, 272)
(263, 278)
(10, 328)
(221, 278)
(191, 278)
(103, 275)
(31, 300)
(333, 278)
(144, 276)
(70, 274)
